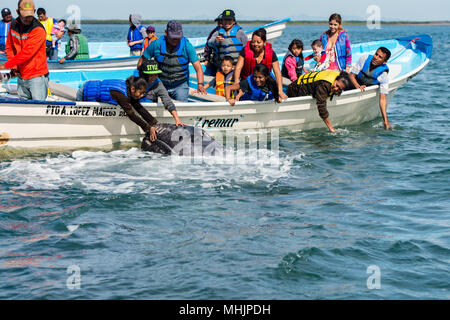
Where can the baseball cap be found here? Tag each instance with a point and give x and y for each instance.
(228, 14)
(27, 8)
(5, 12)
(149, 67)
(151, 29)
(174, 30)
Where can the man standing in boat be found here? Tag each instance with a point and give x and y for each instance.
(174, 53)
(372, 70)
(77, 47)
(26, 53)
(48, 25)
(5, 24)
(229, 40)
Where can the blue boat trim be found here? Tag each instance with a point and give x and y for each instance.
(40, 102)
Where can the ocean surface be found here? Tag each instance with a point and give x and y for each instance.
(361, 214)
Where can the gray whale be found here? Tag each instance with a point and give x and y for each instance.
(182, 141)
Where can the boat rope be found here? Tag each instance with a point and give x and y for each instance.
(398, 54)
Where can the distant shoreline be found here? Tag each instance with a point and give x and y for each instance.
(262, 22)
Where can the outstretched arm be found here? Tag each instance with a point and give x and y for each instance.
(279, 78)
(200, 78)
(383, 108)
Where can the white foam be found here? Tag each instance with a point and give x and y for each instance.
(134, 171)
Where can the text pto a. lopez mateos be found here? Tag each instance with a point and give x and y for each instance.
(227, 310)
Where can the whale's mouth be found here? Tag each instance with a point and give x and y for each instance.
(181, 141)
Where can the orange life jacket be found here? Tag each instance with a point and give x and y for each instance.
(222, 82)
(147, 41)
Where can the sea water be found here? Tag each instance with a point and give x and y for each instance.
(361, 214)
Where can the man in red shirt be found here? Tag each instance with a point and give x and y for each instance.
(26, 53)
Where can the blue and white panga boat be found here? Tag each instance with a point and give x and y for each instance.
(64, 123)
(116, 55)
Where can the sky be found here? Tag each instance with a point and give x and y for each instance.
(411, 10)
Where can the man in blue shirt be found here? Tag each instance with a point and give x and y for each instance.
(5, 24)
(173, 53)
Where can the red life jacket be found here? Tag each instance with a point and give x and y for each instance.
(250, 61)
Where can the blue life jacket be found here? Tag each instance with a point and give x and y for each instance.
(135, 35)
(230, 46)
(175, 65)
(299, 68)
(99, 91)
(257, 94)
(4, 30)
(341, 51)
(370, 77)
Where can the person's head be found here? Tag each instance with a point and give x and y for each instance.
(341, 83)
(219, 21)
(26, 11)
(150, 31)
(262, 77)
(42, 14)
(259, 39)
(381, 56)
(228, 19)
(174, 33)
(296, 47)
(6, 15)
(137, 87)
(335, 23)
(62, 23)
(73, 29)
(227, 64)
(149, 70)
(317, 47)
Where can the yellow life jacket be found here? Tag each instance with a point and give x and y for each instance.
(48, 25)
(325, 75)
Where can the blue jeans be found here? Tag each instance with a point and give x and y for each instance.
(53, 54)
(34, 88)
(179, 93)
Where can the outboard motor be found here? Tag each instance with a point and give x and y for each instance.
(182, 141)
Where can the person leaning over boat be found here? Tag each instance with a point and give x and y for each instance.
(226, 41)
(77, 47)
(257, 51)
(48, 25)
(149, 71)
(5, 25)
(173, 53)
(336, 44)
(136, 35)
(320, 85)
(373, 70)
(126, 93)
(26, 53)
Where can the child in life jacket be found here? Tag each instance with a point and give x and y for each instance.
(224, 77)
(259, 86)
(293, 61)
(151, 36)
(321, 61)
(57, 28)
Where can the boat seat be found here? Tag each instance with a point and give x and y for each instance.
(62, 91)
(209, 97)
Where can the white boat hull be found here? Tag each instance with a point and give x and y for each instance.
(95, 125)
